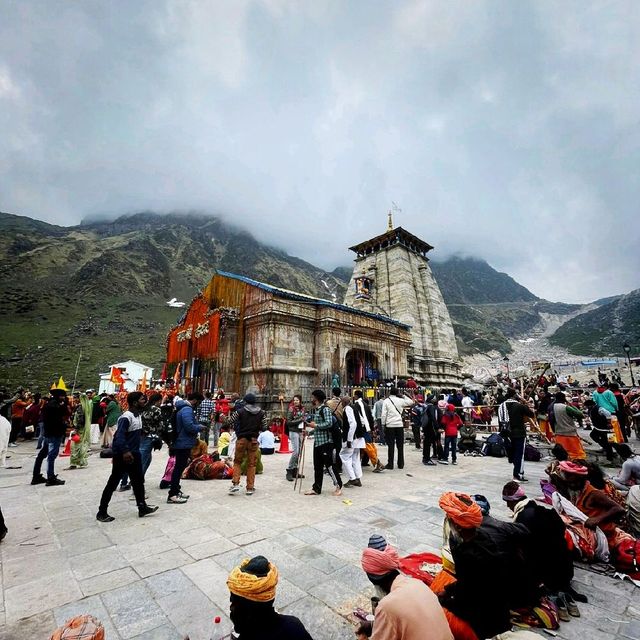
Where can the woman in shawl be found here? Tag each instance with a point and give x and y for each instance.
(82, 434)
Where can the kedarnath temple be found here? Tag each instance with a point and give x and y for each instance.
(241, 334)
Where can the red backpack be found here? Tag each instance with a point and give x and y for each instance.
(627, 557)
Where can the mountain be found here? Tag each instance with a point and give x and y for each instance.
(489, 308)
(473, 281)
(603, 330)
(101, 287)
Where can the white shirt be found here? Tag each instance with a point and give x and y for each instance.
(392, 411)
(356, 443)
(467, 402)
(363, 414)
(266, 440)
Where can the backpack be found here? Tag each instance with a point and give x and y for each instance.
(494, 446)
(531, 454)
(336, 429)
(170, 428)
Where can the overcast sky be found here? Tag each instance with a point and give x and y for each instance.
(507, 130)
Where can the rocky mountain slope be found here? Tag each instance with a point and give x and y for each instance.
(102, 288)
(603, 330)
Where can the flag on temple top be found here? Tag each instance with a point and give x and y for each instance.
(163, 375)
(143, 382)
(176, 375)
(116, 376)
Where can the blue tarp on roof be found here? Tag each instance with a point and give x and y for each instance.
(301, 297)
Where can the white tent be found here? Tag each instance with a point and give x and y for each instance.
(132, 374)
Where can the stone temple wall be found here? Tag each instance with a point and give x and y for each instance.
(403, 287)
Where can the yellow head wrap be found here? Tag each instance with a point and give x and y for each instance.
(255, 588)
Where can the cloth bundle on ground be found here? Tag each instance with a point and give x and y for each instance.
(83, 627)
(633, 509)
(253, 587)
(590, 545)
(208, 467)
(423, 566)
(626, 556)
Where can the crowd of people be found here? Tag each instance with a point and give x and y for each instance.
(493, 573)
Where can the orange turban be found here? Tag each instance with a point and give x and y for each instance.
(379, 563)
(461, 509)
(252, 587)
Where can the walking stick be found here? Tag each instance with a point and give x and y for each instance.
(301, 456)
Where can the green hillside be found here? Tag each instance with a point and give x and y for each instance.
(102, 288)
(604, 330)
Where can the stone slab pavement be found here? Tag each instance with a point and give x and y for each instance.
(164, 576)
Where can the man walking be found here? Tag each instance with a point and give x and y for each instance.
(204, 416)
(187, 430)
(393, 425)
(430, 428)
(352, 444)
(54, 415)
(511, 415)
(248, 422)
(361, 407)
(126, 458)
(323, 447)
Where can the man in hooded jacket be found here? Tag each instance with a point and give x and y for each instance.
(247, 422)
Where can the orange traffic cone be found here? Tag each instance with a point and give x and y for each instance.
(284, 444)
(67, 449)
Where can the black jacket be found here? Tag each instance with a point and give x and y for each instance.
(248, 421)
(54, 417)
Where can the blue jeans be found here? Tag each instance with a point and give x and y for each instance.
(450, 442)
(40, 435)
(50, 451)
(145, 455)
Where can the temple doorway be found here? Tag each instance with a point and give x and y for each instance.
(361, 365)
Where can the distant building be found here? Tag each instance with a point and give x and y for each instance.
(132, 374)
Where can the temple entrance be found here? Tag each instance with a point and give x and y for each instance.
(361, 365)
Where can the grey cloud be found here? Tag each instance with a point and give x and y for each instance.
(507, 130)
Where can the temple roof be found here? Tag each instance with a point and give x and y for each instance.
(390, 238)
(303, 297)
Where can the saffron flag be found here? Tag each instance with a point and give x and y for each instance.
(176, 375)
(143, 382)
(163, 375)
(116, 376)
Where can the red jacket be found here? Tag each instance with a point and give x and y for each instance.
(451, 424)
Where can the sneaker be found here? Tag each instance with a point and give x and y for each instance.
(38, 479)
(428, 463)
(378, 470)
(572, 607)
(389, 466)
(182, 495)
(176, 500)
(124, 487)
(234, 488)
(350, 483)
(104, 517)
(54, 482)
(358, 482)
(250, 492)
(521, 479)
(12, 444)
(454, 462)
(146, 509)
(443, 462)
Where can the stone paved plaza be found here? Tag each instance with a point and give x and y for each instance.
(164, 576)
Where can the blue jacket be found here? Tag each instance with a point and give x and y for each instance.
(187, 427)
